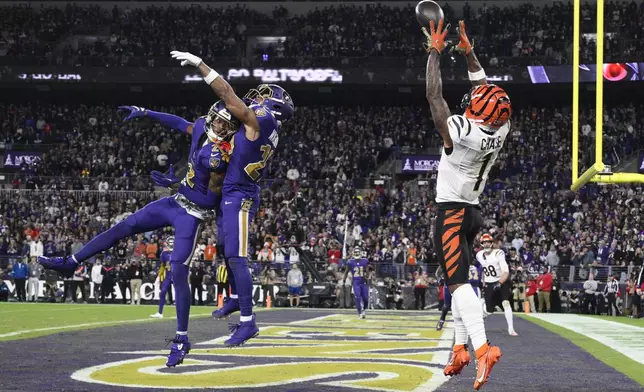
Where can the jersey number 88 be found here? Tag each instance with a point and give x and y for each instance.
(489, 271)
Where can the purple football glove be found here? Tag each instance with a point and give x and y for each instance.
(164, 180)
(134, 112)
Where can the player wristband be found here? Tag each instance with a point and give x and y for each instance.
(212, 75)
(478, 75)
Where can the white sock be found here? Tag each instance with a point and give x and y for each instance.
(234, 296)
(244, 319)
(460, 332)
(182, 333)
(465, 299)
(508, 315)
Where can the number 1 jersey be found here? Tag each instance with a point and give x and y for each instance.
(463, 172)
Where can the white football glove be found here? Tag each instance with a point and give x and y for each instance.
(186, 58)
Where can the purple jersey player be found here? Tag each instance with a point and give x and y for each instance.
(474, 278)
(165, 276)
(358, 266)
(194, 202)
(261, 115)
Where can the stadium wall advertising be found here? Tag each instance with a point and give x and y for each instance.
(419, 163)
(613, 72)
(13, 159)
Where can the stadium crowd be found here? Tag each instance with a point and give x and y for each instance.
(527, 205)
(134, 36)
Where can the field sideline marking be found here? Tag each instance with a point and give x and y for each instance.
(623, 338)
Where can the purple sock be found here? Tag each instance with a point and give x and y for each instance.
(244, 283)
(182, 293)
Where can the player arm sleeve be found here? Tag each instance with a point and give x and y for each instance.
(503, 264)
(170, 121)
(459, 128)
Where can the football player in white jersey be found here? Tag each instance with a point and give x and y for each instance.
(496, 276)
(471, 143)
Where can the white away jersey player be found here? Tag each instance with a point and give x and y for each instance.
(463, 173)
(494, 265)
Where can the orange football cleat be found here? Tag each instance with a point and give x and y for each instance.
(460, 359)
(486, 357)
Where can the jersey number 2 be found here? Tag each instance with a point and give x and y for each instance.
(254, 169)
(479, 179)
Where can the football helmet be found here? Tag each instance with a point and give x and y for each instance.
(486, 241)
(220, 123)
(487, 105)
(357, 252)
(169, 243)
(275, 98)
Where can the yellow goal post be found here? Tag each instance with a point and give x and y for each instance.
(597, 172)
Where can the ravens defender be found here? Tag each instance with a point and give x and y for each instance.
(261, 114)
(165, 275)
(197, 197)
(471, 144)
(359, 268)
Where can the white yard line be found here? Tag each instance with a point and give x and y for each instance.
(95, 324)
(623, 338)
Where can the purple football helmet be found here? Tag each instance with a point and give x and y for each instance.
(275, 98)
(220, 123)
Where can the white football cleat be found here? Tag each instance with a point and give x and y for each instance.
(156, 315)
(513, 333)
(363, 315)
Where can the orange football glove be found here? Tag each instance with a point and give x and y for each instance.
(435, 37)
(464, 47)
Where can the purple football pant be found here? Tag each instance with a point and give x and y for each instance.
(361, 294)
(166, 285)
(158, 214)
(238, 213)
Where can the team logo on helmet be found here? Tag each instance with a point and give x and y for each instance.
(274, 98)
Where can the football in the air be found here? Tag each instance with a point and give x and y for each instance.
(428, 10)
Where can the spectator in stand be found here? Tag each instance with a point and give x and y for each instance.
(590, 302)
(295, 280)
(20, 275)
(135, 277)
(97, 278)
(544, 285)
(197, 275)
(33, 285)
(78, 283)
(531, 290)
(108, 272)
(421, 283)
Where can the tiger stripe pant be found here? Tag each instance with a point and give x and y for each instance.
(456, 227)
